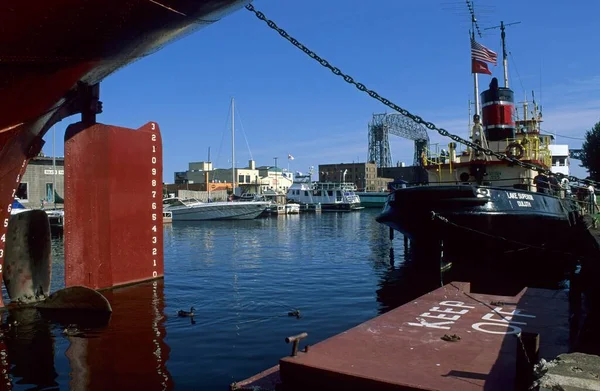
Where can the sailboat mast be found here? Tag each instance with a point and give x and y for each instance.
(206, 173)
(232, 146)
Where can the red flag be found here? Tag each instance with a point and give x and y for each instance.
(479, 67)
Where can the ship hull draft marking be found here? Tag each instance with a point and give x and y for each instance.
(113, 205)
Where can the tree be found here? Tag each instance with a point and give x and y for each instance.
(590, 158)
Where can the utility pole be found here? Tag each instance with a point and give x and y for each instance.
(502, 28)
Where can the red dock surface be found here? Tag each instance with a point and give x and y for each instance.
(406, 348)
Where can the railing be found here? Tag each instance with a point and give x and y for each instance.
(432, 156)
(533, 149)
(348, 186)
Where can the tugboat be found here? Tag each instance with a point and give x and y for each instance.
(478, 205)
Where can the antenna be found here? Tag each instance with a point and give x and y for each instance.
(474, 23)
(504, 55)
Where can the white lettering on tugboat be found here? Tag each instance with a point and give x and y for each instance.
(519, 196)
(495, 322)
(523, 200)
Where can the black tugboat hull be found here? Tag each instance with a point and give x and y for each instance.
(484, 221)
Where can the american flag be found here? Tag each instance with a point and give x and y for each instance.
(481, 53)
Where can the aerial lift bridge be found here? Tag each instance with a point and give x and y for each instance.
(382, 125)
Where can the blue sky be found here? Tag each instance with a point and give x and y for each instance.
(416, 54)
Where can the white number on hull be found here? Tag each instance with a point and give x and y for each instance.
(154, 206)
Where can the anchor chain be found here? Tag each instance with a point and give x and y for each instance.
(429, 125)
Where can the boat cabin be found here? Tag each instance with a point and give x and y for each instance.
(502, 130)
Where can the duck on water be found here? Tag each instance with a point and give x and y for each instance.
(183, 314)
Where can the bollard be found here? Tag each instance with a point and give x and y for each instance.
(295, 339)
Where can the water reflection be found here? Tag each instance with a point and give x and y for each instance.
(338, 269)
(134, 346)
(29, 348)
(128, 353)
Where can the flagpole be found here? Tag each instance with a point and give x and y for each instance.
(476, 85)
(475, 80)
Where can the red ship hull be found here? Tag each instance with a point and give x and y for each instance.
(51, 51)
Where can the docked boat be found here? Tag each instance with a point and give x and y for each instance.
(332, 196)
(17, 207)
(372, 199)
(191, 209)
(476, 204)
(292, 208)
(283, 209)
(55, 216)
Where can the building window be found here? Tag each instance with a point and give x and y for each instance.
(22, 192)
(49, 192)
(240, 179)
(247, 178)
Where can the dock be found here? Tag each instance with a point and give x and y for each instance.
(447, 339)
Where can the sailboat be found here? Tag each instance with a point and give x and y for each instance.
(191, 209)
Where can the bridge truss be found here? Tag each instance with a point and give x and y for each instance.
(382, 125)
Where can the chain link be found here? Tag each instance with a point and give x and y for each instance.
(336, 71)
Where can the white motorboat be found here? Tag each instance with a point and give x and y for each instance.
(292, 209)
(193, 210)
(332, 196)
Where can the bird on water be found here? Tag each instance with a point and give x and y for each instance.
(183, 313)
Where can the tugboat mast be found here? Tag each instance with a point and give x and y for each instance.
(474, 26)
(502, 28)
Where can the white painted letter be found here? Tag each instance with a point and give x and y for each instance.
(438, 325)
(505, 326)
(509, 315)
(455, 304)
(449, 310)
(440, 316)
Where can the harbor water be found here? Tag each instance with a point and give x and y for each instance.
(243, 278)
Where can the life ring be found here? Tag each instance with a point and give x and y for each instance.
(510, 148)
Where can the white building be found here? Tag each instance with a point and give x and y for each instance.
(275, 179)
(560, 159)
(251, 179)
